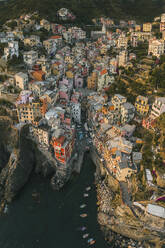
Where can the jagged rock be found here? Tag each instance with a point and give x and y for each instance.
(4, 156)
(16, 173)
(43, 164)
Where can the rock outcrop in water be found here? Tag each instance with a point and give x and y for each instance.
(17, 160)
(19, 156)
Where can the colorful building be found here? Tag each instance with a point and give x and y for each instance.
(142, 105)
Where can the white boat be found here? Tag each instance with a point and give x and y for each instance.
(83, 215)
(89, 240)
(88, 188)
(92, 242)
(83, 228)
(86, 127)
(85, 235)
(83, 206)
(85, 195)
(5, 209)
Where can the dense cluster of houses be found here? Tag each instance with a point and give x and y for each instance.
(52, 114)
(50, 85)
(112, 135)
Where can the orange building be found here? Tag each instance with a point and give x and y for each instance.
(44, 105)
(62, 148)
(92, 81)
(38, 75)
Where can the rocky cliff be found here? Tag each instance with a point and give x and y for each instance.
(119, 217)
(131, 222)
(19, 156)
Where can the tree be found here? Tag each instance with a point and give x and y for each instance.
(12, 24)
(15, 60)
(2, 46)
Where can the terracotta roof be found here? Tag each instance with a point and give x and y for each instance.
(57, 63)
(55, 37)
(103, 72)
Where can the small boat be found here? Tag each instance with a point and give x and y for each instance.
(83, 215)
(88, 188)
(83, 206)
(89, 240)
(85, 195)
(83, 228)
(85, 235)
(92, 242)
(5, 209)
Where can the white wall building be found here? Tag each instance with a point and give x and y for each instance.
(50, 46)
(11, 50)
(127, 112)
(21, 80)
(122, 41)
(163, 17)
(104, 80)
(122, 58)
(76, 112)
(158, 107)
(118, 100)
(156, 47)
(30, 57)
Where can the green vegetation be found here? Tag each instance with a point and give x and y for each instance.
(12, 24)
(157, 77)
(85, 10)
(2, 78)
(2, 46)
(6, 103)
(15, 61)
(141, 51)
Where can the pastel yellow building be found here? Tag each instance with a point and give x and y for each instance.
(27, 113)
(92, 81)
(137, 28)
(147, 27)
(142, 105)
(69, 74)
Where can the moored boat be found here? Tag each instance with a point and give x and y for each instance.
(85, 195)
(83, 206)
(83, 228)
(92, 242)
(5, 209)
(83, 215)
(89, 240)
(85, 235)
(88, 188)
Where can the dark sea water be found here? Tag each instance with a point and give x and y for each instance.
(53, 222)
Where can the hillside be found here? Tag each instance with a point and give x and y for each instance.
(85, 10)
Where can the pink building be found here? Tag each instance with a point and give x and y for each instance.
(148, 123)
(24, 97)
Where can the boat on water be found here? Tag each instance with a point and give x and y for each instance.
(83, 228)
(86, 126)
(83, 206)
(83, 215)
(92, 242)
(89, 240)
(85, 235)
(88, 188)
(5, 209)
(85, 195)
